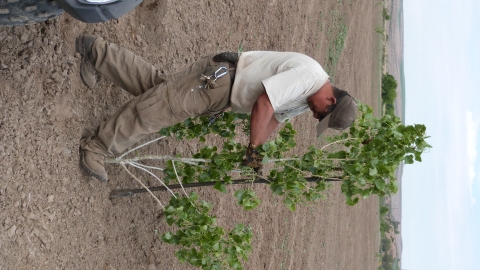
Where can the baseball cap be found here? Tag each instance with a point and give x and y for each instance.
(341, 115)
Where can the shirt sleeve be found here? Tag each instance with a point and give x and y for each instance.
(284, 87)
(282, 116)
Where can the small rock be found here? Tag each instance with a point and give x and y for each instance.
(32, 216)
(3, 34)
(35, 232)
(31, 57)
(6, 221)
(11, 232)
(25, 37)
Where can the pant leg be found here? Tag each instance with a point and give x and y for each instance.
(124, 68)
(174, 100)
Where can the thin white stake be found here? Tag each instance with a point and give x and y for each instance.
(140, 146)
(192, 161)
(152, 174)
(145, 166)
(339, 141)
(144, 186)
(178, 178)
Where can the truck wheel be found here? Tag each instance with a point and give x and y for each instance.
(20, 12)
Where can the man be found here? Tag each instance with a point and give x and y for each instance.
(271, 86)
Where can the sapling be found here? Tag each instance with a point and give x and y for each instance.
(363, 158)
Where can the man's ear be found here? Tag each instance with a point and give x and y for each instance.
(332, 99)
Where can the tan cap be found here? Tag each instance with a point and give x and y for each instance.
(341, 117)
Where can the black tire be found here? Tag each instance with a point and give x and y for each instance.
(21, 12)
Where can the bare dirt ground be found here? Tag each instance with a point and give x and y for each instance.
(53, 216)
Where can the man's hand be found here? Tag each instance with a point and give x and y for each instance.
(253, 159)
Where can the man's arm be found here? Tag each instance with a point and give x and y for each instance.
(262, 121)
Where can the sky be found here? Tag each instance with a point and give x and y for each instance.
(441, 194)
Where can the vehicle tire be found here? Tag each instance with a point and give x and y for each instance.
(21, 12)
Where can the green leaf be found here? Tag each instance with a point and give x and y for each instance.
(372, 171)
(366, 193)
(291, 207)
(220, 187)
(239, 195)
(352, 202)
(362, 181)
(380, 184)
(340, 155)
(409, 159)
(266, 147)
(164, 132)
(218, 160)
(167, 236)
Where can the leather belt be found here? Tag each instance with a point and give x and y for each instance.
(232, 70)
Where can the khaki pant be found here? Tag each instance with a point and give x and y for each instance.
(160, 100)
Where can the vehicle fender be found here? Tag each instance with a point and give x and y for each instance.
(97, 13)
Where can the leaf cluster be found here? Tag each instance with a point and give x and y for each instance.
(247, 198)
(365, 158)
(204, 244)
(214, 165)
(198, 127)
(373, 150)
(288, 178)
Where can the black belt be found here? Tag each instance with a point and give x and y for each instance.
(232, 70)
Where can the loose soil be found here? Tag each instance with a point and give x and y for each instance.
(54, 216)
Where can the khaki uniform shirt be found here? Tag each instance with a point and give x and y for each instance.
(289, 78)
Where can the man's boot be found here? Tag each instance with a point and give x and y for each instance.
(92, 157)
(83, 45)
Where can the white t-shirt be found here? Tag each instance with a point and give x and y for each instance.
(288, 77)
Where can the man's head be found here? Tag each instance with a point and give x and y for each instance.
(333, 107)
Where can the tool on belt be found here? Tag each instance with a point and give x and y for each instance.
(210, 81)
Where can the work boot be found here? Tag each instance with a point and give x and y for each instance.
(92, 157)
(83, 45)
